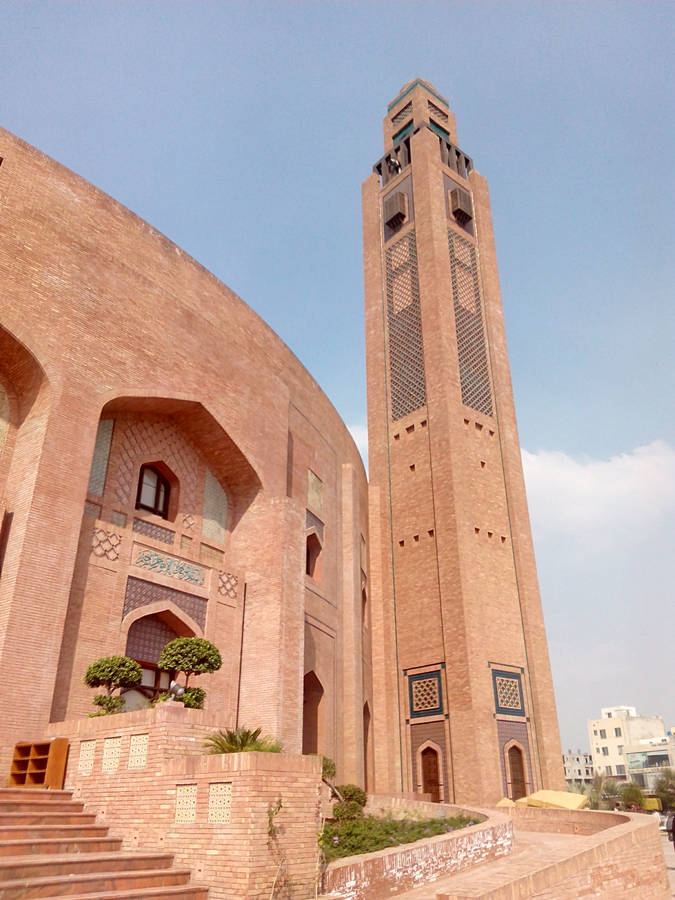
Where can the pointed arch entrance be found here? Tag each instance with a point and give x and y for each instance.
(515, 766)
(311, 713)
(146, 638)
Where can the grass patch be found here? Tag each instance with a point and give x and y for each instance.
(363, 835)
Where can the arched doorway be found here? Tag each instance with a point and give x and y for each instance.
(431, 781)
(311, 713)
(516, 764)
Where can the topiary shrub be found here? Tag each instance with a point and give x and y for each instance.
(352, 792)
(327, 768)
(112, 672)
(347, 809)
(191, 656)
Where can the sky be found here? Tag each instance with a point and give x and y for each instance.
(243, 131)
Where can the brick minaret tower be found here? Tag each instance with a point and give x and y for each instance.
(463, 696)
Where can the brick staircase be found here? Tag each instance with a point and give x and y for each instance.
(50, 847)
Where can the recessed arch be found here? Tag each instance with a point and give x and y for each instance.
(515, 766)
(312, 697)
(430, 769)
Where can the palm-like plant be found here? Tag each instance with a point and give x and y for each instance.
(241, 740)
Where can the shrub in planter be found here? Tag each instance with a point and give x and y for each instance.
(241, 740)
(191, 656)
(112, 672)
(347, 809)
(193, 698)
(352, 792)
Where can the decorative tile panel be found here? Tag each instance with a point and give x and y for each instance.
(474, 372)
(140, 593)
(211, 556)
(188, 521)
(185, 544)
(186, 804)
(314, 492)
(227, 585)
(112, 749)
(106, 544)
(138, 751)
(214, 513)
(85, 763)
(220, 802)
(93, 510)
(508, 693)
(406, 352)
(99, 462)
(119, 519)
(156, 532)
(425, 694)
(169, 566)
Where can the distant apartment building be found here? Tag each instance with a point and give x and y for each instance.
(578, 768)
(617, 728)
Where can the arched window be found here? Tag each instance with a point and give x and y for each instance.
(153, 492)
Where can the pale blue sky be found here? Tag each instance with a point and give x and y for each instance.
(243, 130)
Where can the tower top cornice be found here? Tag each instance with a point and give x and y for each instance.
(410, 86)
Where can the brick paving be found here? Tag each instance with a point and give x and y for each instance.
(531, 851)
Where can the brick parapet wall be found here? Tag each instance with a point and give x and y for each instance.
(147, 806)
(371, 876)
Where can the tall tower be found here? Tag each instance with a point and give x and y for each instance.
(463, 695)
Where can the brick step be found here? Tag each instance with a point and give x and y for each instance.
(60, 845)
(34, 793)
(40, 832)
(46, 818)
(166, 892)
(27, 867)
(37, 804)
(130, 884)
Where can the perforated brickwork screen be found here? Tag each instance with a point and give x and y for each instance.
(508, 692)
(474, 372)
(402, 115)
(406, 350)
(425, 694)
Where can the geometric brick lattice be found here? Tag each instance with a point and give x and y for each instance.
(214, 511)
(106, 543)
(508, 693)
(437, 112)
(112, 748)
(474, 373)
(402, 115)
(138, 751)
(85, 764)
(425, 694)
(220, 802)
(186, 804)
(147, 638)
(140, 593)
(153, 439)
(406, 352)
(227, 585)
(156, 532)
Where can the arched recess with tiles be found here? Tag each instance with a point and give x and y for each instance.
(168, 489)
(516, 767)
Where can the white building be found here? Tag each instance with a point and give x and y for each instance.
(618, 727)
(578, 767)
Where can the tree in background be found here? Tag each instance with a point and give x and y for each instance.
(664, 788)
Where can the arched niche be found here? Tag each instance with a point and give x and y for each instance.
(312, 697)
(430, 770)
(515, 766)
(224, 458)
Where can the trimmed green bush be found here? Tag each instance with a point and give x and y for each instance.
(352, 792)
(193, 698)
(191, 656)
(347, 809)
(112, 672)
(327, 768)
